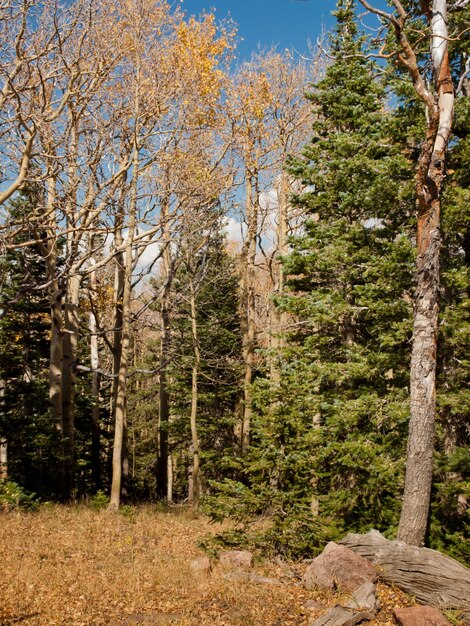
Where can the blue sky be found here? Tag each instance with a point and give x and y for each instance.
(287, 23)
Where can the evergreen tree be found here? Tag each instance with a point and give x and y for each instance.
(24, 337)
(219, 343)
(212, 272)
(351, 276)
(328, 438)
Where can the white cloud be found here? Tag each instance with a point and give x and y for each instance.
(235, 230)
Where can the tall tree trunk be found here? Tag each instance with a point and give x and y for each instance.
(430, 175)
(71, 317)
(278, 317)
(49, 252)
(3, 442)
(165, 345)
(120, 407)
(95, 392)
(170, 481)
(195, 474)
(247, 297)
(69, 363)
(119, 282)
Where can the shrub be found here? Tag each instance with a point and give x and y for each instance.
(13, 496)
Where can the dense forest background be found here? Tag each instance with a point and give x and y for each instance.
(208, 271)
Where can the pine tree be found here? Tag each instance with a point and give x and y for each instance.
(328, 438)
(212, 273)
(351, 274)
(219, 343)
(32, 445)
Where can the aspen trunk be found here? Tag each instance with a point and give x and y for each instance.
(95, 393)
(120, 408)
(165, 344)
(69, 362)
(195, 474)
(71, 317)
(3, 442)
(169, 490)
(49, 252)
(121, 390)
(247, 296)
(431, 171)
(119, 281)
(278, 318)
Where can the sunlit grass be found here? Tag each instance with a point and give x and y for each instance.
(75, 566)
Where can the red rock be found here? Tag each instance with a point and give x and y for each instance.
(233, 559)
(420, 616)
(339, 567)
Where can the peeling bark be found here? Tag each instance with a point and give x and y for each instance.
(430, 176)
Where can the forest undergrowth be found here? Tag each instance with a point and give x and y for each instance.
(75, 566)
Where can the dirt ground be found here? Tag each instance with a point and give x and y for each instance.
(73, 566)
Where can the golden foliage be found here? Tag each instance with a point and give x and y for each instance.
(75, 566)
(199, 50)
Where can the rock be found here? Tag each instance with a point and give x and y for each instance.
(339, 568)
(236, 559)
(420, 616)
(202, 564)
(338, 616)
(433, 578)
(363, 598)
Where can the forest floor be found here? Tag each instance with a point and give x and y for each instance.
(74, 566)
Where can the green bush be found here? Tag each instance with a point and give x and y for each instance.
(99, 501)
(13, 496)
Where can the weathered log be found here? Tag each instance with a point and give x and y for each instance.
(338, 616)
(432, 577)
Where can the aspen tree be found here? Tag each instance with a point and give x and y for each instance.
(437, 94)
(289, 121)
(191, 177)
(69, 90)
(249, 101)
(139, 23)
(22, 48)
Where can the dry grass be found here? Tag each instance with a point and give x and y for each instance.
(78, 567)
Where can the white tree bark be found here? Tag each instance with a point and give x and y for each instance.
(429, 178)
